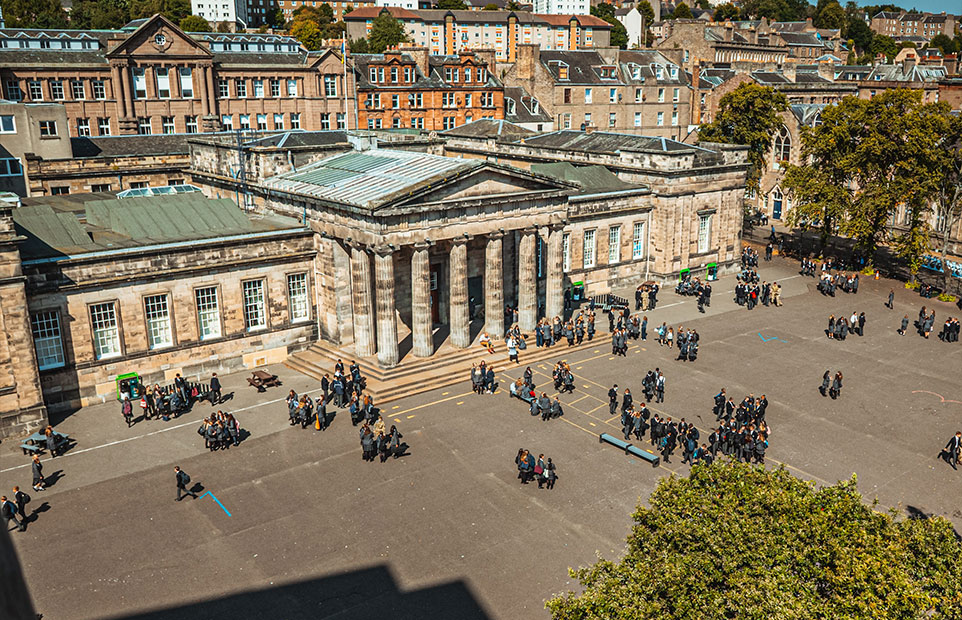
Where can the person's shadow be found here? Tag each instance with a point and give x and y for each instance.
(53, 478)
(44, 507)
(197, 489)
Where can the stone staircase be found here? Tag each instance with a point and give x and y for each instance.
(416, 375)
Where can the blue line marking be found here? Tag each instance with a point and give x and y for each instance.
(764, 339)
(216, 500)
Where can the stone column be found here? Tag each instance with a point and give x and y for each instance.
(421, 320)
(387, 349)
(361, 301)
(554, 304)
(528, 280)
(460, 313)
(494, 287)
(210, 89)
(204, 94)
(117, 90)
(127, 73)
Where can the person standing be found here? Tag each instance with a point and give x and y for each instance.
(550, 474)
(182, 481)
(836, 390)
(861, 324)
(37, 468)
(9, 511)
(21, 499)
(905, 325)
(660, 388)
(214, 389)
(952, 450)
(890, 303)
(127, 410)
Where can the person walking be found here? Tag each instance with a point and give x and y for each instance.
(905, 325)
(826, 381)
(127, 410)
(9, 511)
(182, 481)
(39, 483)
(890, 303)
(21, 499)
(952, 450)
(214, 389)
(550, 474)
(836, 390)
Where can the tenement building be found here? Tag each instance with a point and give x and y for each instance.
(94, 287)
(160, 80)
(412, 247)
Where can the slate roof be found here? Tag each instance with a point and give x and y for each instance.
(433, 80)
(296, 138)
(807, 113)
(606, 142)
(581, 66)
(645, 59)
(120, 146)
(591, 179)
(54, 226)
(475, 17)
(370, 179)
(489, 128)
(523, 107)
(897, 73)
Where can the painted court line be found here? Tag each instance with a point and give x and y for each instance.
(205, 493)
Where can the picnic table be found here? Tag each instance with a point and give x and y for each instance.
(35, 444)
(261, 380)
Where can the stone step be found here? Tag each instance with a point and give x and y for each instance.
(423, 375)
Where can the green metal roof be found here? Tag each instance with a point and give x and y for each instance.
(590, 178)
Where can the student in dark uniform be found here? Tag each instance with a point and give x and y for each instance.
(905, 325)
(952, 450)
(182, 481)
(627, 401)
(613, 400)
(826, 380)
(836, 390)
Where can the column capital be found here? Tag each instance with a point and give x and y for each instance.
(421, 245)
(383, 250)
(354, 244)
(530, 230)
(461, 239)
(498, 234)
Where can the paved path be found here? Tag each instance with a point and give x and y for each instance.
(314, 532)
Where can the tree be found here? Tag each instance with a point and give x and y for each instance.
(34, 14)
(736, 541)
(349, 8)
(748, 115)
(832, 15)
(775, 10)
(193, 23)
(359, 46)
(944, 43)
(99, 14)
(948, 203)
(725, 12)
(619, 34)
(308, 34)
(490, 7)
(513, 6)
(223, 27)
(882, 44)
(859, 32)
(907, 44)
(174, 10)
(681, 11)
(452, 5)
(385, 32)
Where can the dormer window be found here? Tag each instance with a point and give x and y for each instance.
(635, 72)
(467, 74)
(562, 69)
(373, 75)
(534, 106)
(673, 71)
(509, 104)
(659, 72)
(607, 73)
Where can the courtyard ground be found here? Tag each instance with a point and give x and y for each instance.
(447, 531)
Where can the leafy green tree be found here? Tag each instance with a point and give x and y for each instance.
(490, 7)
(308, 33)
(882, 44)
(704, 5)
(452, 5)
(775, 10)
(309, 14)
(948, 196)
(174, 10)
(275, 17)
(907, 44)
(513, 6)
(359, 46)
(99, 14)
(194, 23)
(349, 8)
(681, 11)
(859, 32)
(34, 14)
(748, 115)
(619, 34)
(944, 43)
(385, 32)
(832, 15)
(736, 541)
(223, 27)
(725, 12)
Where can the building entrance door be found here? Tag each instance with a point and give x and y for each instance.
(435, 295)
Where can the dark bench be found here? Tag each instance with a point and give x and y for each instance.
(629, 449)
(31, 449)
(260, 380)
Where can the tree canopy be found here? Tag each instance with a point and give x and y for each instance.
(99, 14)
(725, 12)
(868, 157)
(748, 115)
(682, 11)
(738, 541)
(193, 23)
(831, 15)
(385, 32)
(776, 10)
(452, 5)
(34, 14)
(619, 34)
(882, 44)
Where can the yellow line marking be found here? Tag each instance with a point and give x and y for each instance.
(611, 358)
(429, 404)
(445, 393)
(395, 407)
(409, 417)
(577, 426)
(577, 367)
(460, 402)
(597, 351)
(643, 349)
(586, 386)
(593, 424)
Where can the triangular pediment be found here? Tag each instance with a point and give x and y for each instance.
(489, 181)
(159, 36)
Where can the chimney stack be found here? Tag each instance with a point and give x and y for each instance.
(909, 63)
(529, 55)
(420, 56)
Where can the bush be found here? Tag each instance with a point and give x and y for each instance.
(947, 297)
(868, 271)
(912, 286)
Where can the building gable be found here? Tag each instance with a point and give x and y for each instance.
(159, 36)
(485, 181)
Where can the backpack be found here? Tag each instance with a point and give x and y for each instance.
(26, 498)
(186, 478)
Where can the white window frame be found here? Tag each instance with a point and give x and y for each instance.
(77, 90)
(83, 127)
(168, 125)
(704, 232)
(291, 88)
(330, 86)
(589, 248)
(279, 121)
(566, 252)
(587, 95)
(638, 241)
(186, 83)
(103, 125)
(255, 305)
(208, 312)
(99, 89)
(295, 120)
(35, 87)
(190, 124)
(47, 339)
(56, 90)
(258, 89)
(162, 76)
(614, 245)
(105, 330)
(160, 332)
(140, 83)
(298, 297)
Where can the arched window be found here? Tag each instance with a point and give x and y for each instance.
(783, 146)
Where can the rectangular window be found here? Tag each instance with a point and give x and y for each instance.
(612, 95)
(396, 122)
(295, 120)
(417, 122)
(254, 315)
(48, 128)
(36, 91)
(223, 89)
(13, 90)
(261, 122)
(190, 122)
(100, 92)
(661, 119)
(566, 121)
(245, 121)
(566, 252)
(77, 90)
(47, 340)
(259, 89)
(83, 126)
(661, 95)
(208, 312)
(163, 82)
(373, 75)
(278, 121)
(614, 245)
(159, 333)
(638, 241)
(704, 232)
(297, 297)
(167, 124)
(275, 88)
(449, 122)
(106, 332)
(395, 102)
(587, 95)
(240, 87)
(612, 119)
(674, 117)
(60, 190)
(675, 95)
(637, 119)
(143, 126)
(588, 253)
(186, 83)
(340, 121)
(330, 85)
(291, 88)
(56, 90)
(10, 167)
(140, 83)
(394, 74)
(227, 122)
(100, 187)
(325, 121)
(588, 119)
(103, 126)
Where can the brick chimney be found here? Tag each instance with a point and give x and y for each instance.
(826, 69)
(951, 63)
(529, 55)
(420, 56)
(909, 63)
(788, 69)
(729, 27)
(487, 56)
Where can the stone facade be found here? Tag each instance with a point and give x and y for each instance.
(25, 133)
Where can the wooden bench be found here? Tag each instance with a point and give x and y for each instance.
(29, 448)
(260, 380)
(629, 449)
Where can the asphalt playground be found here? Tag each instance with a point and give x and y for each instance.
(295, 525)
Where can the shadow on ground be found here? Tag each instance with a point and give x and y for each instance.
(366, 593)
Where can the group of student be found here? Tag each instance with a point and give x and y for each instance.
(828, 283)
(646, 296)
(743, 432)
(377, 440)
(339, 391)
(574, 331)
(839, 327)
(482, 378)
(831, 386)
(545, 473)
(220, 431)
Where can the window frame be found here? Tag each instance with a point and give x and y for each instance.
(151, 323)
(291, 301)
(40, 342)
(263, 324)
(199, 313)
(114, 305)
